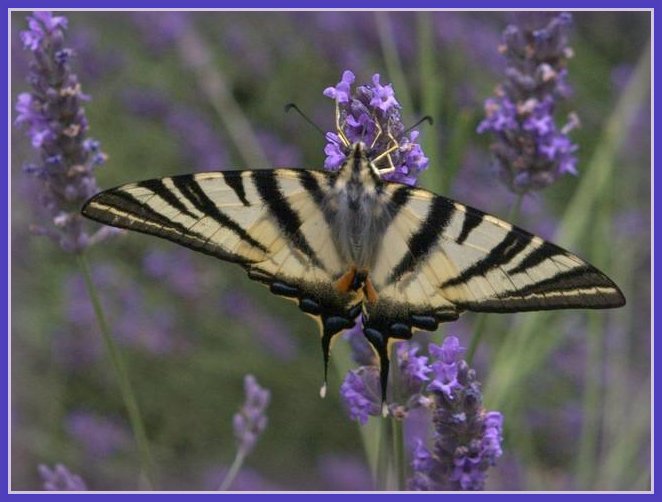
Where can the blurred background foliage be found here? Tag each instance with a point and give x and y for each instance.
(574, 386)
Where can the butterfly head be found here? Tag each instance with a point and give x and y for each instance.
(363, 161)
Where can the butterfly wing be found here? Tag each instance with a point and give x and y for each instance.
(439, 258)
(271, 222)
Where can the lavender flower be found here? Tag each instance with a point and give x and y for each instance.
(361, 393)
(362, 352)
(60, 479)
(56, 123)
(467, 439)
(530, 152)
(414, 369)
(251, 420)
(363, 113)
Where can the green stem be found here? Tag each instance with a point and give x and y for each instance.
(383, 455)
(392, 60)
(431, 89)
(342, 362)
(197, 55)
(399, 453)
(480, 321)
(234, 470)
(475, 340)
(588, 460)
(122, 377)
(513, 215)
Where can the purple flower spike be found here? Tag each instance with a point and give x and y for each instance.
(60, 479)
(361, 393)
(334, 152)
(53, 115)
(383, 97)
(467, 439)
(529, 151)
(250, 422)
(414, 368)
(341, 91)
(364, 111)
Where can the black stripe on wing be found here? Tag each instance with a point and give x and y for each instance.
(570, 289)
(138, 216)
(139, 213)
(158, 187)
(235, 180)
(310, 183)
(190, 188)
(503, 253)
(398, 200)
(425, 238)
(266, 183)
(472, 219)
(538, 256)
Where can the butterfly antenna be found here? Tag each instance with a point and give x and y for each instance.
(292, 106)
(427, 119)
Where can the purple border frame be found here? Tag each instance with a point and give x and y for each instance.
(299, 4)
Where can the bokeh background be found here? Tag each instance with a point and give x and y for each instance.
(574, 387)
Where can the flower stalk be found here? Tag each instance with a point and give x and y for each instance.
(57, 125)
(249, 424)
(122, 374)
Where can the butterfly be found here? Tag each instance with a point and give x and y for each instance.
(349, 244)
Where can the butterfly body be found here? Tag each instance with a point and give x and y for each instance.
(357, 209)
(350, 245)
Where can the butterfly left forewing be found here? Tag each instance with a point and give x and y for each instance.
(271, 222)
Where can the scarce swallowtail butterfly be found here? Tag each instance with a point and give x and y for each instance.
(349, 243)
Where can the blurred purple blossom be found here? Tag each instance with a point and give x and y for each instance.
(272, 335)
(362, 113)
(251, 421)
(473, 35)
(280, 154)
(56, 123)
(201, 145)
(95, 59)
(139, 324)
(249, 50)
(60, 479)
(344, 473)
(175, 270)
(530, 151)
(247, 480)
(99, 436)
(359, 36)
(160, 29)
